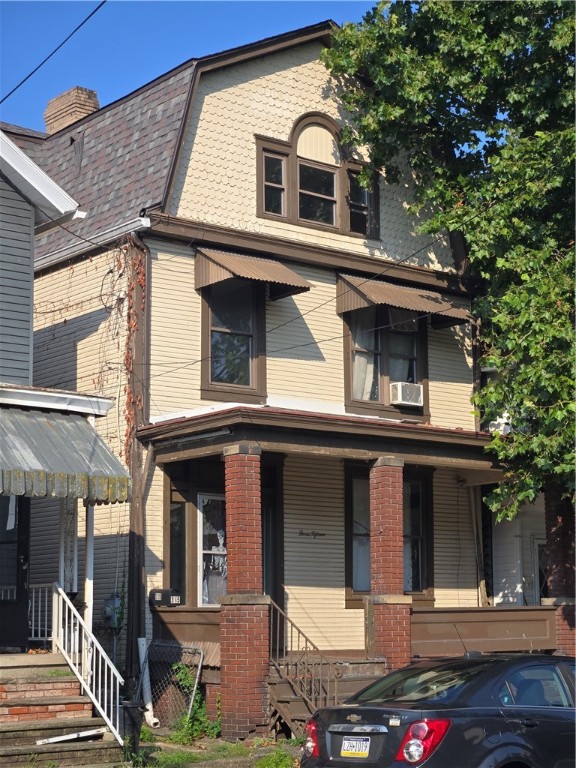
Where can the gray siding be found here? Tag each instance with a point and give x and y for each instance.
(16, 276)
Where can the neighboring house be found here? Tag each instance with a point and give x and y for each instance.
(49, 448)
(293, 367)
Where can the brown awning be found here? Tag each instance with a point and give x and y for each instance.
(357, 292)
(213, 266)
(47, 453)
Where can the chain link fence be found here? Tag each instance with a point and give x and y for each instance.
(174, 671)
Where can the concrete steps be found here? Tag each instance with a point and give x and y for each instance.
(40, 699)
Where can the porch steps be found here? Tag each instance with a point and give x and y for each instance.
(40, 699)
(285, 701)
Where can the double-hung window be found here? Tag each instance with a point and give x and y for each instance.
(233, 361)
(309, 181)
(384, 346)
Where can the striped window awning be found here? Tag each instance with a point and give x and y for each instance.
(214, 266)
(357, 293)
(46, 453)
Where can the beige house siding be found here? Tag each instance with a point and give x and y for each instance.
(304, 343)
(174, 331)
(79, 343)
(314, 554)
(450, 376)
(266, 96)
(455, 572)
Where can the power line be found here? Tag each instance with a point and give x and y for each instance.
(28, 76)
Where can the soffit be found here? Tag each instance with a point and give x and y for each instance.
(214, 266)
(357, 293)
(50, 453)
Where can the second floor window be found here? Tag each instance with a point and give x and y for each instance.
(231, 333)
(385, 346)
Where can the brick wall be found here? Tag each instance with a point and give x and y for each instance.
(565, 629)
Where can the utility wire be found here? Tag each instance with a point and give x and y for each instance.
(28, 76)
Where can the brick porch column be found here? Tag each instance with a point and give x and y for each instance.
(244, 644)
(387, 607)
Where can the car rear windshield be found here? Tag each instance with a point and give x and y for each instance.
(419, 683)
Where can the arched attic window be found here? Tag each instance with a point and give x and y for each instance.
(308, 180)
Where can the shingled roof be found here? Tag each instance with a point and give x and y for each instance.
(117, 160)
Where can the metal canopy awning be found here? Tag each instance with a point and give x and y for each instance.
(46, 453)
(357, 293)
(213, 266)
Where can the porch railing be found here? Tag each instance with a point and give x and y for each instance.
(297, 659)
(99, 678)
(40, 613)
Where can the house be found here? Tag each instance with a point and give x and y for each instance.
(293, 366)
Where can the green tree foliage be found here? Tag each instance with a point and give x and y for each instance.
(477, 99)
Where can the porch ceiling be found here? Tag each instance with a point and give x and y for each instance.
(50, 453)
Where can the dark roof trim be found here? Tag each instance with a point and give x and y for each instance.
(304, 420)
(358, 293)
(197, 233)
(46, 453)
(213, 266)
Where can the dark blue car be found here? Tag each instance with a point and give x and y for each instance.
(477, 711)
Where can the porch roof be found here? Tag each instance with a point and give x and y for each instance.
(47, 453)
(358, 292)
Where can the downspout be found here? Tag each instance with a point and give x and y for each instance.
(137, 411)
(89, 559)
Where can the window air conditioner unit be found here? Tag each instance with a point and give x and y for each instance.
(402, 393)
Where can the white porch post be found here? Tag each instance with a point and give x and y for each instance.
(89, 575)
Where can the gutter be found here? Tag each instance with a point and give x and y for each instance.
(54, 399)
(139, 224)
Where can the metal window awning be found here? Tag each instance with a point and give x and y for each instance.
(357, 293)
(214, 266)
(45, 453)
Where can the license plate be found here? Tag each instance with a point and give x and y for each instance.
(357, 747)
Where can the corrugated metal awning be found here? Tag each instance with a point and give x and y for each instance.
(357, 292)
(213, 266)
(50, 453)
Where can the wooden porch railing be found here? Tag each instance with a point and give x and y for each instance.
(299, 661)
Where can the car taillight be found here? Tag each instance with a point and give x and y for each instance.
(421, 740)
(311, 744)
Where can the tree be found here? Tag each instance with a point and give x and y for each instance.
(477, 100)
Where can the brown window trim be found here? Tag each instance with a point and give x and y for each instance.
(287, 150)
(355, 599)
(384, 409)
(233, 392)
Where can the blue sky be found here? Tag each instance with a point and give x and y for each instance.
(127, 43)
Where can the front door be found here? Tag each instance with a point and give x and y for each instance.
(14, 543)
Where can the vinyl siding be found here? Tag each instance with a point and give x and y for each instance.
(216, 178)
(174, 331)
(513, 544)
(304, 342)
(455, 571)
(79, 340)
(314, 554)
(451, 377)
(16, 254)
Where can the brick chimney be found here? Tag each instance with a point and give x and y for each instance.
(69, 107)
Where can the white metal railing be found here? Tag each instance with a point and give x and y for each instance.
(40, 613)
(99, 678)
